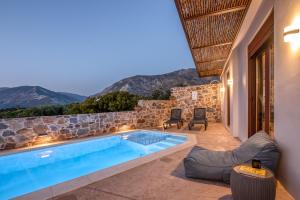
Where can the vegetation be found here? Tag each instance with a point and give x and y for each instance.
(160, 95)
(111, 102)
(30, 112)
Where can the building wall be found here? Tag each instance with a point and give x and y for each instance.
(287, 85)
(21, 132)
(238, 66)
(287, 96)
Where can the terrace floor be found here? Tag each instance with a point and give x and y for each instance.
(164, 178)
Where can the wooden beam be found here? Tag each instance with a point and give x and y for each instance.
(220, 12)
(212, 61)
(225, 67)
(212, 72)
(213, 45)
(178, 6)
(185, 20)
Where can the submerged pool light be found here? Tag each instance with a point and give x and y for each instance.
(45, 154)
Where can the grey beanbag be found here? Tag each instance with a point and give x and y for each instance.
(217, 165)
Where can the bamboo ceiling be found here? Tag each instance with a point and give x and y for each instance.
(211, 27)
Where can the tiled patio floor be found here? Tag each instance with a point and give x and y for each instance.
(164, 179)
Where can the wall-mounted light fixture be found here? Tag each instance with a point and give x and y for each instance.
(229, 82)
(291, 34)
(222, 89)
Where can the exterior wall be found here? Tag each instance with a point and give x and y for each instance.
(233, 101)
(21, 132)
(286, 88)
(238, 66)
(208, 96)
(287, 96)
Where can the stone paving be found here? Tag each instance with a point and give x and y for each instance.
(163, 179)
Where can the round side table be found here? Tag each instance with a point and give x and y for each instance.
(252, 187)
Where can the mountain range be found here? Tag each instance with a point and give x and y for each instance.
(31, 96)
(145, 85)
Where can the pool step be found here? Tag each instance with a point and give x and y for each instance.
(175, 137)
(173, 141)
(169, 142)
(164, 144)
(161, 146)
(155, 149)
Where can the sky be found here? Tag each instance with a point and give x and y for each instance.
(83, 46)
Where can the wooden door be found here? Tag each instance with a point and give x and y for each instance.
(261, 80)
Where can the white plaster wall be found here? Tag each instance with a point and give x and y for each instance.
(287, 85)
(235, 111)
(287, 96)
(232, 69)
(238, 64)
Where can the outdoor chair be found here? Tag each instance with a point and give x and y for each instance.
(217, 165)
(174, 119)
(199, 118)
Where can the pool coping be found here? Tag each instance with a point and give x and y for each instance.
(82, 181)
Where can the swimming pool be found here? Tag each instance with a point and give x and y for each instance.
(29, 171)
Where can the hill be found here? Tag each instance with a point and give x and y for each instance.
(146, 85)
(31, 96)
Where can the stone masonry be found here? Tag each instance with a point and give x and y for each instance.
(207, 96)
(21, 132)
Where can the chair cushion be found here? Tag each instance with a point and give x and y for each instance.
(198, 121)
(175, 114)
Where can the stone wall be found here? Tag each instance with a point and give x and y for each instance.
(22, 132)
(153, 113)
(207, 96)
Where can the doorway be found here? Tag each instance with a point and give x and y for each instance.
(261, 80)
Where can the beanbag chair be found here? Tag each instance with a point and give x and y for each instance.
(217, 165)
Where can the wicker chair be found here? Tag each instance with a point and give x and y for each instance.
(174, 119)
(199, 118)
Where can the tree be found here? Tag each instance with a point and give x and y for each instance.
(117, 101)
(160, 95)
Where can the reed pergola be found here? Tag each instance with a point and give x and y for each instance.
(211, 27)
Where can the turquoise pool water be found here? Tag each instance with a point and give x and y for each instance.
(25, 172)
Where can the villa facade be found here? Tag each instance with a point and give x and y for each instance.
(253, 45)
(259, 67)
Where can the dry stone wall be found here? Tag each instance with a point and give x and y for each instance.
(205, 96)
(20, 132)
(153, 113)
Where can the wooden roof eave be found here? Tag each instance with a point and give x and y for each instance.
(240, 11)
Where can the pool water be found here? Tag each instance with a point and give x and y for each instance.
(25, 172)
